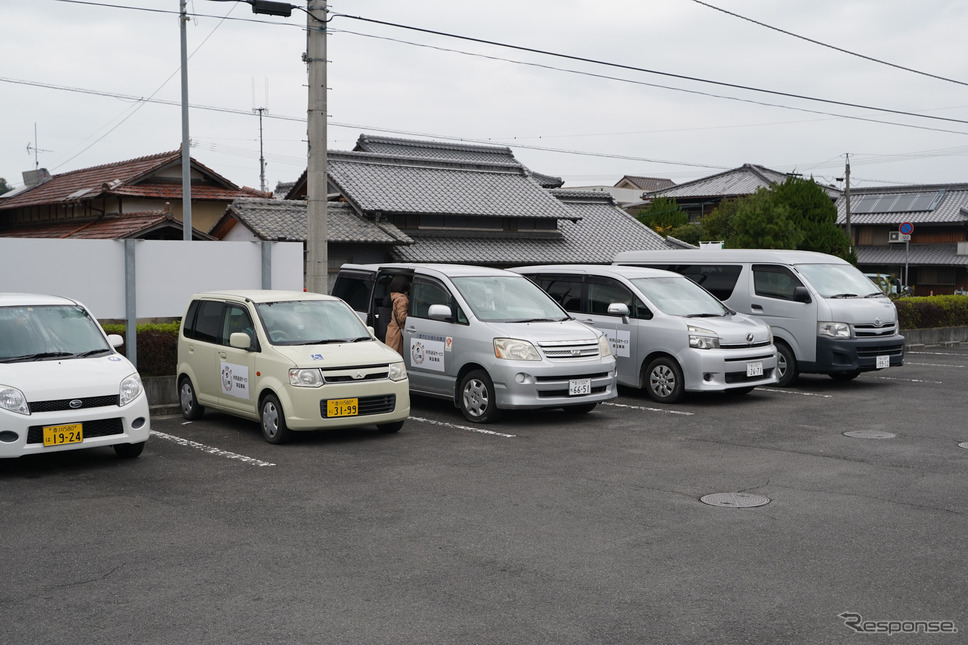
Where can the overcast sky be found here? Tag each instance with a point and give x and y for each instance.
(679, 89)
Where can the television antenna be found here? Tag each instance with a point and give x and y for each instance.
(34, 149)
(261, 111)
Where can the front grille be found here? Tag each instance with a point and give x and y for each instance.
(880, 350)
(569, 350)
(764, 343)
(347, 378)
(871, 331)
(368, 405)
(559, 378)
(91, 429)
(65, 404)
(762, 357)
(740, 377)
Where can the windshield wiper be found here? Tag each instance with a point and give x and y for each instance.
(875, 294)
(37, 357)
(845, 295)
(531, 320)
(92, 352)
(705, 315)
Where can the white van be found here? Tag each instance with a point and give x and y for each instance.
(668, 335)
(63, 385)
(827, 317)
(486, 339)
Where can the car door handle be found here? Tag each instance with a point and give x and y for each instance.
(223, 355)
(757, 307)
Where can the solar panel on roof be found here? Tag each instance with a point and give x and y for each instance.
(897, 202)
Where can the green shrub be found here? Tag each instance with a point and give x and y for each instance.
(157, 346)
(932, 311)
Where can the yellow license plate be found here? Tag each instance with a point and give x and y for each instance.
(67, 433)
(342, 408)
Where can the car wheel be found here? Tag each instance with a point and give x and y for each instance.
(477, 400)
(664, 380)
(786, 366)
(584, 408)
(128, 450)
(273, 421)
(390, 427)
(190, 408)
(844, 376)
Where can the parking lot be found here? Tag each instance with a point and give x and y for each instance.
(543, 527)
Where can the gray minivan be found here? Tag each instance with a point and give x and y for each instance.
(485, 338)
(826, 316)
(669, 335)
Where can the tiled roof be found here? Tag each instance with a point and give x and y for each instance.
(732, 183)
(918, 255)
(124, 178)
(285, 221)
(598, 231)
(647, 183)
(396, 184)
(463, 152)
(131, 225)
(953, 206)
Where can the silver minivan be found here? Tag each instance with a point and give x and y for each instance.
(669, 335)
(486, 338)
(826, 316)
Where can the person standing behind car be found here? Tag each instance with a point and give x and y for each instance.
(399, 303)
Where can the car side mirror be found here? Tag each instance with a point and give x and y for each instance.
(240, 340)
(116, 340)
(800, 294)
(618, 309)
(439, 312)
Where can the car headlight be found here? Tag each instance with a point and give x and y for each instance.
(833, 329)
(603, 347)
(701, 338)
(130, 389)
(515, 350)
(13, 399)
(398, 371)
(305, 377)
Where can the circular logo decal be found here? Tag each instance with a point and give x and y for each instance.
(417, 353)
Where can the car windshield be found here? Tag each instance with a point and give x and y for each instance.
(501, 298)
(680, 296)
(49, 332)
(838, 280)
(311, 322)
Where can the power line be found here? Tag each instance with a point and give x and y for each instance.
(835, 48)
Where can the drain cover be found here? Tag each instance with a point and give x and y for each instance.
(869, 434)
(734, 500)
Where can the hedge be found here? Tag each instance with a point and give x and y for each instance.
(157, 346)
(932, 311)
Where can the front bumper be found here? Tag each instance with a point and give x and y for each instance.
(856, 354)
(716, 370)
(545, 384)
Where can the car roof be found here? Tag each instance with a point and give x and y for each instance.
(8, 299)
(779, 256)
(262, 295)
(451, 270)
(625, 271)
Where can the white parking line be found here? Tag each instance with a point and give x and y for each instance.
(218, 452)
(908, 380)
(933, 354)
(639, 407)
(935, 365)
(782, 391)
(460, 427)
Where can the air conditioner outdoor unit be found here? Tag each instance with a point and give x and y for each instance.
(894, 236)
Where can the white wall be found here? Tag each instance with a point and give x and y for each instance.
(167, 272)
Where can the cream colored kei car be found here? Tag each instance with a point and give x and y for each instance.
(291, 360)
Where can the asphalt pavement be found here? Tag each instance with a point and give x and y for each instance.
(546, 527)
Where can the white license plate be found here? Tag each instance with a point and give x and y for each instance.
(882, 362)
(754, 369)
(579, 386)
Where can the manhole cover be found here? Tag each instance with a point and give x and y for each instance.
(734, 500)
(869, 434)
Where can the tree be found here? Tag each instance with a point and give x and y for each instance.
(4, 186)
(814, 214)
(663, 215)
(762, 222)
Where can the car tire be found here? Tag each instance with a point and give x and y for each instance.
(584, 408)
(390, 427)
(128, 450)
(476, 398)
(663, 380)
(786, 365)
(188, 401)
(272, 420)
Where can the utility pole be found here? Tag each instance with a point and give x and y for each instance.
(186, 156)
(317, 234)
(262, 159)
(850, 236)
